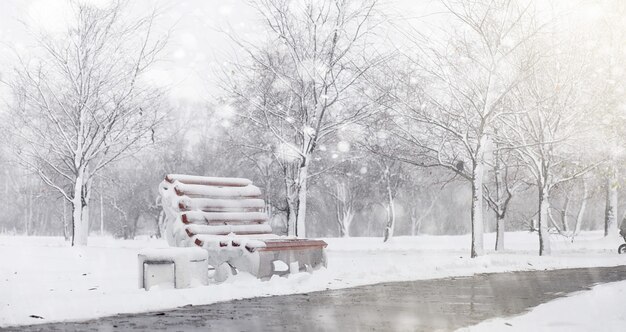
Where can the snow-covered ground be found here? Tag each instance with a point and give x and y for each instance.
(43, 277)
(599, 309)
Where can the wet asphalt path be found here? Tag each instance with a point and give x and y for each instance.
(425, 305)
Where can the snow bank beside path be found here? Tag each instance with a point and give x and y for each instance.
(599, 309)
(44, 277)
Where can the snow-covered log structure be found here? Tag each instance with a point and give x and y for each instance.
(226, 217)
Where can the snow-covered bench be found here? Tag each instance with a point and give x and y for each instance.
(226, 217)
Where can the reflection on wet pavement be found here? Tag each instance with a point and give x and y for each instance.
(425, 305)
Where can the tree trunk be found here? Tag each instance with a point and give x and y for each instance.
(583, 208)
(101, 210)
(29, 216)
(302, 195)
(158, 222)
(343, 209)
(77, 212)
(477, 209)
(564, 215)
(544, 236)
(414, 221)
(391, 214)
(291, 196)
(66, 231)
(345, 223)
(499, 233)
(80, 210)
(135, 224)
(292, 208)
(610, 211)
(86, 219)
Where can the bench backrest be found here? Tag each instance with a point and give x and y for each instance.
(217, 206)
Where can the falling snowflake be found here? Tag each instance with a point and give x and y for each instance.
(287, 152)
(309, 130)
(343, 146)
(382, 135)
(180, 54)
(225, 10)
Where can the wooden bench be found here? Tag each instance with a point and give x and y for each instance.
(226, 216)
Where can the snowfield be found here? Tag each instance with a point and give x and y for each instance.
(43, 280)
(599, 309)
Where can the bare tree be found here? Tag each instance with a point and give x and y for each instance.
(422, 204)
(449, 98)
(391, 174)
(572, 195)
(79, 105)
(348, 189)
(299, 88)
(608, 79)
(344, 205)
(545, 132)
(505, 179)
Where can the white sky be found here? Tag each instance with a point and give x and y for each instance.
(195, 45)
(196, 48)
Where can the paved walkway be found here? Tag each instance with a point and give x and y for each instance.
(425, 305)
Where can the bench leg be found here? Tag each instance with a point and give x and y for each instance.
(223, 272)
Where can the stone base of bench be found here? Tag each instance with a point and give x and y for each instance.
(173, 268)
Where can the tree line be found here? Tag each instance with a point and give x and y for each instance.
(353, 119)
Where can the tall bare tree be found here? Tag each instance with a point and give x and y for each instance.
(80, 104)
(609, 76)
(545, 132)
(299, 87)
(505, 179)
(448, 99)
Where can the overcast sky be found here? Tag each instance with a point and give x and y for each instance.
(196, 47)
